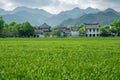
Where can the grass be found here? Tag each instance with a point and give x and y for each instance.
(60, 59)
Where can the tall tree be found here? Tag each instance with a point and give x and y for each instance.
(116, 27)
(2, 24)
(25, 29)
(56, 33)
(82, 30)
(105, 30)
(6, 31)
(13, 28)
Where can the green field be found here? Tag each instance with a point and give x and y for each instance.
(60, 59)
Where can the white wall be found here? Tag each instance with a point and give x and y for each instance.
(39, 35)
(74, 33)
(92, 32)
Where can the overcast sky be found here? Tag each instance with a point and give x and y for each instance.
(56, 6)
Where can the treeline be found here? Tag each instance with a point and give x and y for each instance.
(13, 29)
(113, 29)
(25, 29)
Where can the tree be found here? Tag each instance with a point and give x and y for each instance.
(105, 31)
(56, 33)
(25, 29)
(46, 34)
(2, 24)
(116, 27)
(69, 26)
(13, 28)
(6, 32)
(82, 30)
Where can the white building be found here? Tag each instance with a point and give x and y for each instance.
(92, 30)
(75, 31)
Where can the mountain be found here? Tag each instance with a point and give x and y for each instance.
(30, 10)
(74, 16)
(2, 12)
(33, 18)
(22, 14)
(39, 16)
(91, 10)
(57, 19)
(112, 10)
(74, 13)
(103, 18)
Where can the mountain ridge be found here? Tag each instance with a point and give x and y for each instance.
(40, 16)
(103, 18)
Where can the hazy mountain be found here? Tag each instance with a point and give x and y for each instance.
(2, 12)
(112, 10)
(30, 10)
(91, 10)
(74, 13)
(74, 16)
(22, 14)
(104, 18)
(33, 18)
(39, 16)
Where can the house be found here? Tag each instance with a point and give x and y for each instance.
(43, 30)
(92, 30)
(75, 31)
(64, 31)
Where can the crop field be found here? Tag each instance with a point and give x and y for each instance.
(59, 58)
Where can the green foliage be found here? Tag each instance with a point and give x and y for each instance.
(116, 27)
(69, 26)
(46, 34)
(25, 29)
(60, 59)
(2, 24)
(56, 33)
(82, 30)
(13, 28)
(105, 31)
(6, 31)
(16, 30)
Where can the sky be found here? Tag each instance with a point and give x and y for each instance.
(56, 6)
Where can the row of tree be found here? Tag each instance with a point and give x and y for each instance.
(113, 29)
(25, 29)
(13, 29)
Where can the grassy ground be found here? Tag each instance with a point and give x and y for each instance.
(60, 59)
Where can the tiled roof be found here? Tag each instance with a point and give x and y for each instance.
(88, 26)
(44, 26)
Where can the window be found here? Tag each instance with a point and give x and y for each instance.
(89, 30)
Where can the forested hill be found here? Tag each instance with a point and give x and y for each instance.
(103, 18)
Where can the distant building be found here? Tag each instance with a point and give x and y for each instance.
(42, 30)
(75, 31)
(92, 30)
(64, 31)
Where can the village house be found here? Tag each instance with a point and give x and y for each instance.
(64, 31)
(43, 30)
(75, 31)
(92, 30)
